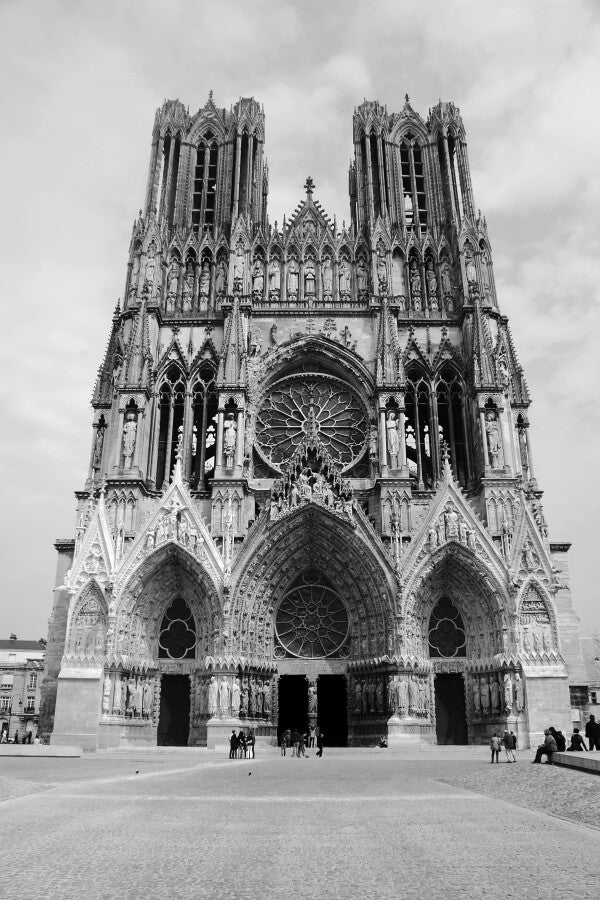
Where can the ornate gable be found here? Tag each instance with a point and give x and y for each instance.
(95, 555)
(529, 554)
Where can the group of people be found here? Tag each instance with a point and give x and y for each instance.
(300, 740)
(554, 742)
(508, 741)
(241, 746)
(26, 739)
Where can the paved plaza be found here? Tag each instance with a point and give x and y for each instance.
(357, 823)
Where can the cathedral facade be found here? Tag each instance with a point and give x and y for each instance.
(310, 496)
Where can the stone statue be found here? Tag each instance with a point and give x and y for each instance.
(358, 697)
(494, 439)
(274, 276)
(415, 284)
(393, 441)
(204, 282)
(344, 277)
(379, 697)
(485, 696)
(98, 445)
(266, 696)
(309, 277)
(494, 694)
(135, 275)
(244, 699)
(391, 695)
(173, 278)
(523, 450)
(446, 275)
(476, 696)
(150, 266)
(106, 694)
(292, 279)
(117, 695)
(382, 273)
(229, 440)
(188, 286)
(431, 283)
(129, 433)
(519, 693)
(451, 520)
(224, 697)
(239, 264)
(403, 695)
(507, 692)
(236, 695)
(470, 265)
(373, 441)
(148, 697)
(258, 280)
(213, 690)
(362, 277)
(327, 277)
(221, 278)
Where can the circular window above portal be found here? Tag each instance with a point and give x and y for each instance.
(318, 406)
(311, 621)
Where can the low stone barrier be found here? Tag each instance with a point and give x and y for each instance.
(587, 762)
(39, 750)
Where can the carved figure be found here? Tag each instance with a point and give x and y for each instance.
(266, 698)
(188, 286)
(391, 695)
(117, 695)
(393, 441)
(373, 442)
(362, 277)
(358, 701)
(150, 266)
(507, 692)
(494, 695)
(431, 284)
(451, 519)
(446, 276)
(413, 694)
(229, 440)
(403, 695)
(327, 277)
(292, 279)
(106, 694)
(129, 433)
(148, 697)
(382, 273)
(98, 445)
(415, 284)
(344, 277)
(224, 697)
(470, 265)
(213, 690)
(236, 696)
(239, 264)
(485, 696)
(476, 696)
(274, 276)
(135, 275)
(244, 699)
(173, 278)
(221, 278)
(519, 693)
(258, 279)
(379, 697)
(494, 439)
(204, 282)
(309, 277)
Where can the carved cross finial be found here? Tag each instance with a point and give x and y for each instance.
(210, 96)
(309, 187)
(407, 98)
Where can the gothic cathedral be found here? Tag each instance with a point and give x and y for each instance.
(310, 496)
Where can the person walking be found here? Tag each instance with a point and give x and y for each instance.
(495, 744)
(507, 743)
(295, 740)
(577, 742)
(320, 742)
(592, 733)
(546, 749)
(283, 744)
(301, 745)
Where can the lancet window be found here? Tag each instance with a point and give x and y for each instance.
(204, 428)
(455, 175)
(168, 176)
(452, 420)
(419, 428)
(205, 183)
(177, 638)
(171, 402)
(413, 184)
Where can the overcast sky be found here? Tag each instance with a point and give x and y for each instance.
(80, 84)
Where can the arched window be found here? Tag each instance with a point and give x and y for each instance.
(177, 639)
(419, 428)
(452, 420)
(171, 400)
(245, 175)
(205, 183)
(204, 429)
(169, 174)
(455, 175)
(447, 637)
(413, 183)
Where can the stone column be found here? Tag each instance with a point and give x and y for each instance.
(383, 459)
(486, 458)
(239, 445)
(219, 450)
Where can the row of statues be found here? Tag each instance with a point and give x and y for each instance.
(404, 695)
(129, 696)
(175, 525)
(248, 696)
(497, 693)
(450, 526)
(307, 485)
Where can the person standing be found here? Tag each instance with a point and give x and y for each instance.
(312, 733)
(251, 744)
(507, 743)
(283, 744)
(301, 745)
(295, 740)
(320, 742)
(592, 733)
(233, 744)
(241, 739)
(495, 744)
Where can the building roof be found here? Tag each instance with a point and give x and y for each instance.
(21, 645)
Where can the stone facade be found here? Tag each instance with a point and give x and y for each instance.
(310, 458)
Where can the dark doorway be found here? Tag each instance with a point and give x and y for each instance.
(450, 712)
(174, 716)
(293, 703)
(333, 717)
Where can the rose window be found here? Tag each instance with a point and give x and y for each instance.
(312, 621)
(319, 407)
(446, 631)
(177, 639)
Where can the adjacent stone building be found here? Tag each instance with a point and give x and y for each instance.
(21, 669)
(311, 494)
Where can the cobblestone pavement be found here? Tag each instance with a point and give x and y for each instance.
(355, 824)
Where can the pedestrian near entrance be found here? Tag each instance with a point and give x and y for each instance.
(320, 742)
(577, 742)
(302, 745)
(242, 745)
(283, 744)
(495, 744)
(251, 744)
(295, 740)
(233, 744)
(546, 749)
(312, 733)
(507, 743)
(592, 733)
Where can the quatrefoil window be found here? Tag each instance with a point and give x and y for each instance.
(177, 638)
(446, 631)
(312, 406)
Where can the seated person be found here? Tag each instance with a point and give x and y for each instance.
(547, 748)
(577, 742)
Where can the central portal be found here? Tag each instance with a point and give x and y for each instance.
(174, 716)
(450, 711)
(293, 704)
